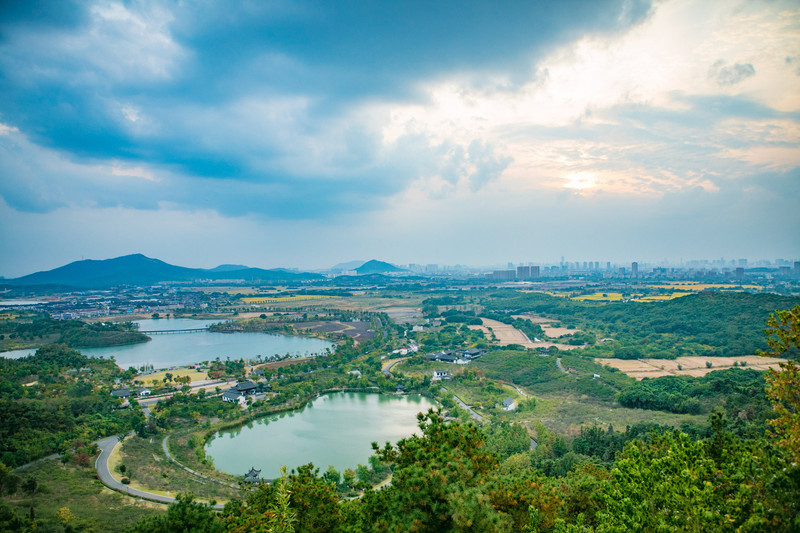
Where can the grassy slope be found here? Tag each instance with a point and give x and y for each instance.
(94, 507)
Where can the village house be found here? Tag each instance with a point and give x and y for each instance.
(440, 374)
(508, 404)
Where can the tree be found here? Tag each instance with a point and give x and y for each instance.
(783, 337)
(9, 481)
(183, 515)
(437, 481)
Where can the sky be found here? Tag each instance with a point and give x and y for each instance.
(307, 133)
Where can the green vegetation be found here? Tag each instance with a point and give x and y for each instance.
(452, 478)
(55, 401)
(684, 394)
(33, 330)
(705, 324)
(542, 375)
(63, 497)
(731, 464)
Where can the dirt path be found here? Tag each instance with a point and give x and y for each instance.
(508, 334)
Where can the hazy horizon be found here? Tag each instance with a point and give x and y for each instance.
(306, 134)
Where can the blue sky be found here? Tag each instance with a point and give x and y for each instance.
(302, 134)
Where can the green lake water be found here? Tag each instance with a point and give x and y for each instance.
(335, 429)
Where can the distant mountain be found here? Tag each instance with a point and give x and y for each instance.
(349, 265)
(228, 268)
(138, 269)
(378, 267)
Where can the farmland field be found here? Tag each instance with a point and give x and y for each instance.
(689, 366)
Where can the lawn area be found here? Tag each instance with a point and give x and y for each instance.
(149, 469)
(93, 507)
(565, 414)
(194, 375)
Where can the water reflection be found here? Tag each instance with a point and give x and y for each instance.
(337, 431)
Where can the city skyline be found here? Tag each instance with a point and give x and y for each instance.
(302, 135)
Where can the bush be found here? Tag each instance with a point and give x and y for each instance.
(125, 481)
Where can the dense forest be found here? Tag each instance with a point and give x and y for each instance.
(37, 329)
(704, 324)
(55, 398)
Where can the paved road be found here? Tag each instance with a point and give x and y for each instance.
(388, 370)
(107, 446)
(467, 408)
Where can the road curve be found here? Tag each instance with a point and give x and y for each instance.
(467, 408)
(388, 370)
(107, 446)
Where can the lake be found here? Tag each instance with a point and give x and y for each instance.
(335, 429)
(178, 349)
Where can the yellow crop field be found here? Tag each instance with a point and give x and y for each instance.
(600, 297)
(283, 299)
(693, 286)
(662, 297)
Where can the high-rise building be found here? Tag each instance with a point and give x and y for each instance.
(739, 273)
(503, 275)
(634, 269)
(523, 272)
(535, 270)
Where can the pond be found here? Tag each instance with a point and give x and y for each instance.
(335, 429)
(177, 349)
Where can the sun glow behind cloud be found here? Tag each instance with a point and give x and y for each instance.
(155, 109)
(654, 67)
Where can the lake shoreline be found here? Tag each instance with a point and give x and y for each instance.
(208, 434)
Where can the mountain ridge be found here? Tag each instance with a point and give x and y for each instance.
(138, 269)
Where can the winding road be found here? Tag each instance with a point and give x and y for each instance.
(107, 446)
(467, 408)
(388, 369)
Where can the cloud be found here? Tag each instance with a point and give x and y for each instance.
(723, 74)
(309, 114)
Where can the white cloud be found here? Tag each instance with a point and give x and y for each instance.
(547, 125)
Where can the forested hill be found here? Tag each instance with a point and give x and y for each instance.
(138, 269)
(709, 323)
(378, 267)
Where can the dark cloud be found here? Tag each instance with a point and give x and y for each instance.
(723, 74)
(168, 85)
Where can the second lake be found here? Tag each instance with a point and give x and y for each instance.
(335, 429)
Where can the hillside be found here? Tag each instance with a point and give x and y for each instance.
(378, 267)
(138, 269)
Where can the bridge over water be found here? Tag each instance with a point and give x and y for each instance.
(168, 331)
